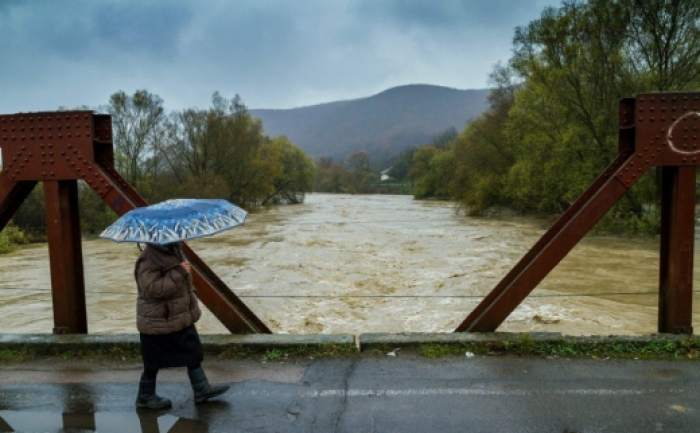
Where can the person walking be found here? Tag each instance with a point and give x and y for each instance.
(166, 311)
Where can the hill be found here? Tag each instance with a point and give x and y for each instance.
(383, 125)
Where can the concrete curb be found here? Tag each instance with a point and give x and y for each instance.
(43, 343)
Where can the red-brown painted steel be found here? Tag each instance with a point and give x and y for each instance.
(545, 255)
(676, 257)
(213, 292)
(656, 129)
(12, 194)
(60, 148)
(66, 258)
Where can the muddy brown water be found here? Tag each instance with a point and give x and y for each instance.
(354, 263)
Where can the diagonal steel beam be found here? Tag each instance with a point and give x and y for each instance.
(569, 229)
(565, 233)
(211, 290)
(12, 195)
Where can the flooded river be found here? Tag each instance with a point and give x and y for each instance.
(354, 263)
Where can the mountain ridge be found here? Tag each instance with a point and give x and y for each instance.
(383, 124)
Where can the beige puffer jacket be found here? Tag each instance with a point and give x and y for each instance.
(167, 301)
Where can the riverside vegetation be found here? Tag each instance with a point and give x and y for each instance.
(220, 152)
(552, 125)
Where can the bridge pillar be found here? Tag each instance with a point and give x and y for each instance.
(65, 257)
(676, 250)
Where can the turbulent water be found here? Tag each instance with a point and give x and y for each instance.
(354, 263)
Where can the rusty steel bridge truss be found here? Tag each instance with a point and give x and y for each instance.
(656, 130)
(58, 149)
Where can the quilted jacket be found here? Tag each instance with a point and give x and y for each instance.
(167, 301)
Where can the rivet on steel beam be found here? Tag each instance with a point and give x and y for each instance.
(52, 173)
(685, 159)
(641, 119)
(634, 176)
(43, 161)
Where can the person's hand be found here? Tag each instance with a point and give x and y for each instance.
(187, 266)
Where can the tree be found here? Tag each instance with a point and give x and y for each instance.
(296, 173)
(137, 122)
(361, 175)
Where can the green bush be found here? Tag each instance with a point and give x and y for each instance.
(10, 237)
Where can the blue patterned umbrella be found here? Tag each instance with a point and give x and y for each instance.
(175, 220)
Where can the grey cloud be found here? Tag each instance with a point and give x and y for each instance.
(80, 28)
(450, 13)
(274, 53)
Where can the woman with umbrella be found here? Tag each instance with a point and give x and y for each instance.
(167, 306)
(166, 312)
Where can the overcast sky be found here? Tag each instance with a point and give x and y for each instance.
(273, 53)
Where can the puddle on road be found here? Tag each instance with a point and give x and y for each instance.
(103, 422)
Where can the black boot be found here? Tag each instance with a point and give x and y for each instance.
(147, 395)
(200, 385)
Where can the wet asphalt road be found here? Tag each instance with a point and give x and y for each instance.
(365, 394)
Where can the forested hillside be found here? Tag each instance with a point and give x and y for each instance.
(383, 125)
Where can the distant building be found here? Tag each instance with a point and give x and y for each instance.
(385, 174)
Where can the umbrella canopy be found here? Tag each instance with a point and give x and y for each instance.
(175, 220)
